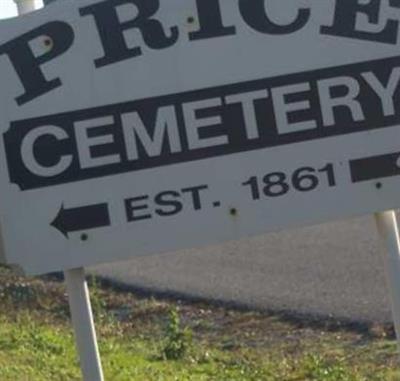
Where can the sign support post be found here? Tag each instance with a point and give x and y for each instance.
(25, 6)
(82, 320)
(389, 233)
(78, 294)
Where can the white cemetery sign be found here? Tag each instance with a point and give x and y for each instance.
(132, 127)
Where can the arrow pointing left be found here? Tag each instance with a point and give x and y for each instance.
(81, 218)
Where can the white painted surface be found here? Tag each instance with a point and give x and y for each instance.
(389, 232)
(26, 215)
(82, 320)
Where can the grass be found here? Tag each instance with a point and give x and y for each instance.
(145, 339)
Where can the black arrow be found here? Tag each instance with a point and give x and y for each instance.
(375, 167)
(81, 218)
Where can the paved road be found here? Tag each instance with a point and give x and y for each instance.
(332, 269)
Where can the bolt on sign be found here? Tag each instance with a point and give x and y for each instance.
(132, 127)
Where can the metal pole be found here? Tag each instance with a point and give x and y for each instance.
(25, 6)
(388, 230)
(82, 320)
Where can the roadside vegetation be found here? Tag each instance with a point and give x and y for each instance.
(146, 339)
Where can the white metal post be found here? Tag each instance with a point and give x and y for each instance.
(25, 6)
(82, 320)
(388, 230)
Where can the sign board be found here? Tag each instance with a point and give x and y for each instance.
(132, 127)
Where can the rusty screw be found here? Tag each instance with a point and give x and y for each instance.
(48, 42)
(233, 212)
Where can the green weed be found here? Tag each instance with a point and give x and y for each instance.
(177, 339)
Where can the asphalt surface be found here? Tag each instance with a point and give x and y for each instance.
(334, 269)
